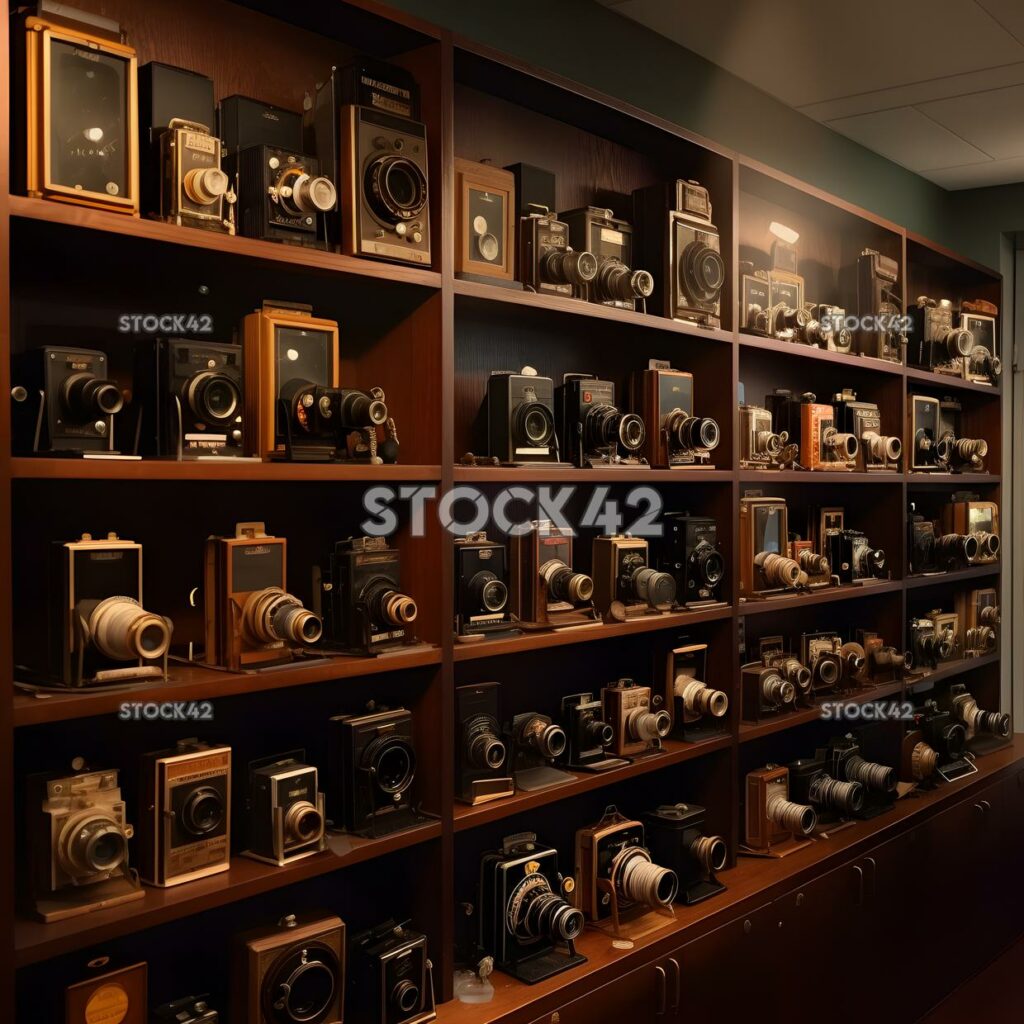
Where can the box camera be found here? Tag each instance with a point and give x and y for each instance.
(524, 917)
(918, 761)
(674, 436)
(689, 551)
(946, 738)
(185, 832)
(624, 582)
(878, 782)
(921, 542)
(975, 720)
(835, 665)
(371, 768)
(811, 784)
(99, 630)
(547, 263)
(966, 516)
(588, 735)
(291, 971)
(833, 320)
(813, 563)
(615, 871)
(359, 598)
(883, 663)
(106, 990)
(194, 191)
(934, 638)
(775, 656)
(876, 452)
(79, 128)
(822, 445)
(941, 345)
(637, 718)
(243, 123)
(285, 809)
(755, 301)
(982, 364)
(676, 838)
(771, 685)
(78, 844)
(765, 567)
(481, 757)
(485, 222)
(682, 247)
(187, 1010)
(481, 588)
(961, 454)
(536, 743)
(546, 591)
(593, 430)
(772, 822)
(853, 557)
(978, 611)
(930, 453)
(391, 978)
(760, 446)
(610, 239)
(65, 402)
(190, 394)
(251, 619)
(878, 296)
(521, 418)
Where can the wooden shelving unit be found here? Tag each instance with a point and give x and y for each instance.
(430, 339)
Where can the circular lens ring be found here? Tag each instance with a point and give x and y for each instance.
(203, 811)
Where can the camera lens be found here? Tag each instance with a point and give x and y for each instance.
(995, 723)
(701, 271)
(87, 397)
(564, 266)
(203, 811)
(566, 585)
(205, 185)
(954, 739)
(544, 914)
(314, 194)
(597, 733)
(301, 986)
(616, 282)
(488, 591)
(798, 674)
(303, 823)
(797, 818)
(392, 762)
(845, 797)
(844, 445)
(545, 737)
(709, 852)
(641, 881)
(657, 589)
(767, 442)
(123, 631)
(775, 689)
(700, 699)
(359, 409)
(778, 570)
(923, 761)
(396, 188)
(826, 670)
(293, 622)
(405, 996)
(533, 426)
(631, 432)
(872, 561)
(647, 726)
(988, 543)
(878, 777)
(709, 564)
(486, 751)
(213, 396)
(958, 342)
(884, 449)
(271, 615)
(90, 843)
(387, 605)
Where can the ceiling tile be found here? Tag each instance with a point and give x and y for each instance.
(993, 172)
(1009, 14)
(993, 121)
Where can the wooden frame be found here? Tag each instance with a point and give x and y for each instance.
(473, 177)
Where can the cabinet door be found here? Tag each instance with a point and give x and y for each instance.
(1012, 849)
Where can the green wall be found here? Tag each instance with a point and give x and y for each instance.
(595, 46)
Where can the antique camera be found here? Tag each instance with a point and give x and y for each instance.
(844, 763)
(371, 769)
(878, 295)
(78, 844)
(786, 284)
(958, 550)
(288, 355)
(99, 632)
(810, 783)
(106, 988)
(615, 871)
(194, 190)
(934, 637)
(930, 453)
(65, 403)
(976, 721)
(185, 831)
(187, 1010)
(833, 320)
(979, 618)
(863, 420)
(546, 591)
(243, 122)
(966, 516)
(251, 619)
(675, 437)
(485, 222)
(191, 398)
(982, 364)
(285, 808)
(755, 301)
(481, 756)
(766, 691)
(962, 454)
(624, 582)
(697, 710)
(521, 418)
(921, 541)
(947, 739)
(940, 345)
(481, 588)
(358, 597)
(834, 664)
(774, 655)
(79, 129)
(610, 239)
(676, 838)
(536, 743)
(813, 563)
(547, 263)
(682, 247)
(765, 567)
(918, 761)
(689, 551)
(635, 714)
(524, 917)
(391, 977)
(292, 971)
(282, 196)
(822, 445)
(772, 821)
(760, 446)
(883, 663)
(593, 430)
(853, 557)
(588, 735)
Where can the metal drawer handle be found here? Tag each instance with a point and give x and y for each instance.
(675, 963)
(662, 991)
(860, 884)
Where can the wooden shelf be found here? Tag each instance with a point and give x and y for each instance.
(238, 469)
(197, 682)
(973, 572)
(793, 350)
(300, 257)
(948, 670)
(799, 476)
(586, 634)
(944, 382)
(827, 595)
(530, 475)
(674, 752)
(953, 479)
(35, 940)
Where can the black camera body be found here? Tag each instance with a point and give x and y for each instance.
(547, 263)
(852, 556)
(588, 735)
(610, 239)
(187, 1010)
(481, 755)
(593, 430)
(359, 599)
(846, 763)
(689, 552)
(191, 398)
(525, 921)
(535, 744)
(521, 418)
(481, 588)
(921, 554)
(285, 809)
(810, 782)
(942, 346)
(390, 976)
(371, 769)
(947, 737)
(878, 294)
(676, 840)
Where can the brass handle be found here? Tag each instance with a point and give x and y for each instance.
(662, 992)
(675, 963)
